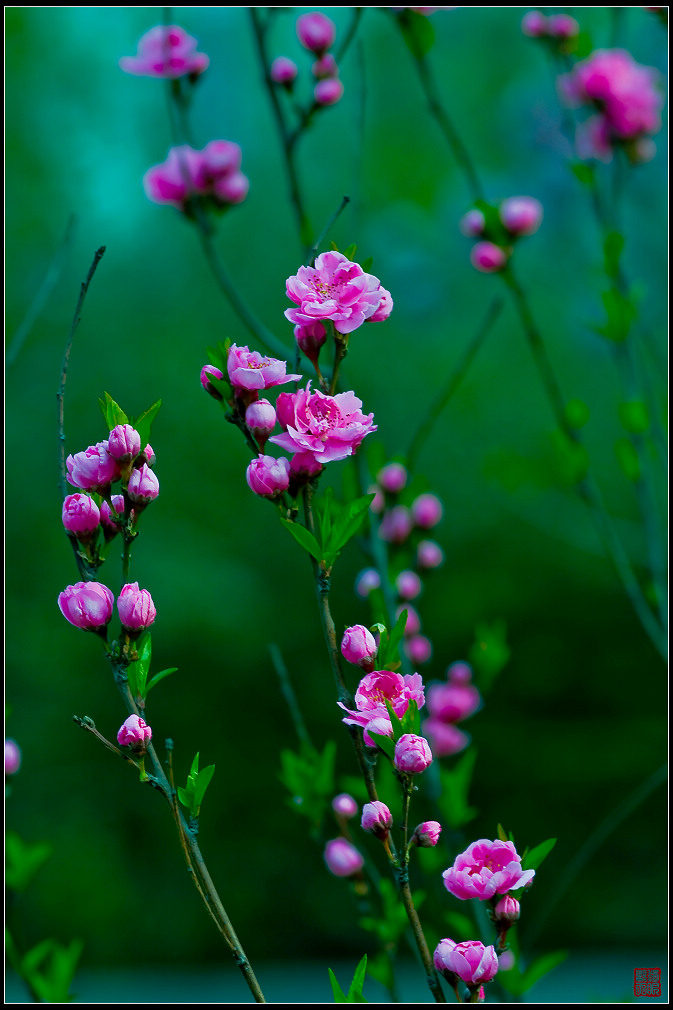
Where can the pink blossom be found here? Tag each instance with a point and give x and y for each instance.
(396, 524)
(445, 738)
(378, 687)
(110, 526)
(453, 702)
(378, 502)
(92, 470)
(310, 337)
(625, 92)
(443, 948)
(358, 646)
(212, 172)
(80, 515)
(534, 24)
(135, 733)
(412, 754)
(385, 307)
(12, 756)
(380, 726)
(507, 911)
(336, 289)
(392, 477)
(148, 456)
(344, 805)
(376, 819)
(283, 70)
(328, 91)
(260, 417)
(429, 554)
(316, 32)
(486, 868)
(426, 511)
(521, 215)
(473, 223)
(426, 834)
(342, 858)
(209, 372)
(326, 66)
(330, 427)
(123, 443)
(304, 465)
(268, 477)
(562, 26)
(459, 673)
(251, 370)
(471, 961)
(419, 649)
(135, 607)
(408, 585)
(143, 485)
(488, 257)
(87, 605)
(367, 580)
(165, 51)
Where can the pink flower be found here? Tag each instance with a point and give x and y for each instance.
(378, 687)
(316, 32)
(123, 443)
(368, 580)
(135, 607)
(92, 470)
(488, 257)
(453, 702)
(534, 24)
(396, 524)
(625, 92)
(376, 819)
(385, 307)
(507, 911)
(283, 70)
(328, 91)
(81, 515)
(473, 223)
(429, 554)
(342, 858)
(358, 646)
(471, 961)
(110, 526)
(392, 477)
(268, 477)
(208, 372)
(412, 754)
(330, 427)
(445, 738)
(426, 834)
(459, 673)
(419, 649)
(443, 948)
(135, 733)
(380, 726)
(212, 172)
(344, 805)
(521, 215)
(562, 26)
(260, 418)
(408, 585)
(12, 757)
(143, 485)
(87, 605)
(304, 465)
(250, 370)
(310, 337)
(165, 51)
(426, 511)
(326, 66)
(336, 289)
(486, 868)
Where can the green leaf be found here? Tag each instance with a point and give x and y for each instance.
(138, 670)
(143, 423)
(386, 743)
(577, 413)
(324, 511)
(627, 457)
(613, 246)
(202, 782)
(367, 264)
(358, 982)
(502, 834)
(490, 652)
(194, 770)
(112, 412)
(23, 860)
(186, 795)
(160, 676)
(583, 172)
(50, 969)
(583, 45)
(348, 523)
(453, 802)
(396, 722)
(309, 778)
(339, 996)
(534, 859)
(634, 417)
(411, 720)
(304, 538)
(541, 966)
(418, 33)
(349, 253)
(389, 655)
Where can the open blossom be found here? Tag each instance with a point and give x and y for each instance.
(453, 702)
(251, 370)
(471, 961)
(165, 51)
(92, 470)
(337, 289)
(212, 172)
(329, 427)
(486, 868)
(374, 690)
(87, 605)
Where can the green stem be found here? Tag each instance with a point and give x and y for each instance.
(289, 695)
(419, 936)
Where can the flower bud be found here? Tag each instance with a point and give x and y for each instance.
(329, 91)
(310, 337)
(231, 188)
(211, 370)
(283, 71)
(12, 757)
(135, 607)
(148, 456)
(472, 224)
(268, 477)
(562, 26)
(134, 733)
(358, 647)
(368, 580)
(412, 754)
(521, 215)
(260, 418)
(342, 858)
(143, 486)
(378, 502)
(446, 739)
(507, 911)
(316, 32)
(110, 527)
(344, 805)
(87, 605)
(408, 585)
(426, 834)
(396, 525)
(429, 554)
(92, 470)
(471, 961)
(303, 466)
(123, 443)
(393, 477)
(419, 649)
(326, 66)
(440, 960)
(534, 24)
(377, 819)
(81, 515)
(426, 511)
(487, 257)
(460, 673)
(413, 625)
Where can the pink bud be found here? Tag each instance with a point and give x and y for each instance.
(329, 91)
(426, 511)
(110, 527)
(344, 805)
(408, 585)
(429, 554)
(562, 26)
(143, 485)
(260, 418)
(342, 858)
(426, 834)
(135, 607)
(326, 66)
(310, 337)
(412, 754)
(521, 215)
(508, 910)
(396, 525)
(460, 673)
(419, 649)
(206, 372)
(92, 470)
(487, 257)
(87, 605)
(393, 477)
(506, 961)
(81, 515)
(378, 502)
(148, 456)
(123, 443)
(413, 625)
(534, 24)
(446, 739)
(135, 733)
(376, 819)
(304, 465)
(283, 70)
(442, 950)
(473, 223)
(368, 580)
(316, 32)
(470, 961)
(267, 476)
(358, 647)
(231, 188)
(12, 757)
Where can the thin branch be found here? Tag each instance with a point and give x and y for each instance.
(289, 695)
(313, 251)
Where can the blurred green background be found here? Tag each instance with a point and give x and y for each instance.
(574, 723)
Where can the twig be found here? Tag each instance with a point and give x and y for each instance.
(313, 251)
(289, 695)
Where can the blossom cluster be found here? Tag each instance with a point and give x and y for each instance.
(317, 33)
(166, 51)
(212, 174)
(498, 228)
(448, 704)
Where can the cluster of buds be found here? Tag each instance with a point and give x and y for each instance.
(317, 33)
(497, 228)
(212, 176)
(166, 51)
(89, 606)
(448, 704)
(559, 31)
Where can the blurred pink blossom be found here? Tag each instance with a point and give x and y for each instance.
(165, 51)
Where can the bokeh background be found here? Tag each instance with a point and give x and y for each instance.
(576, 720)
